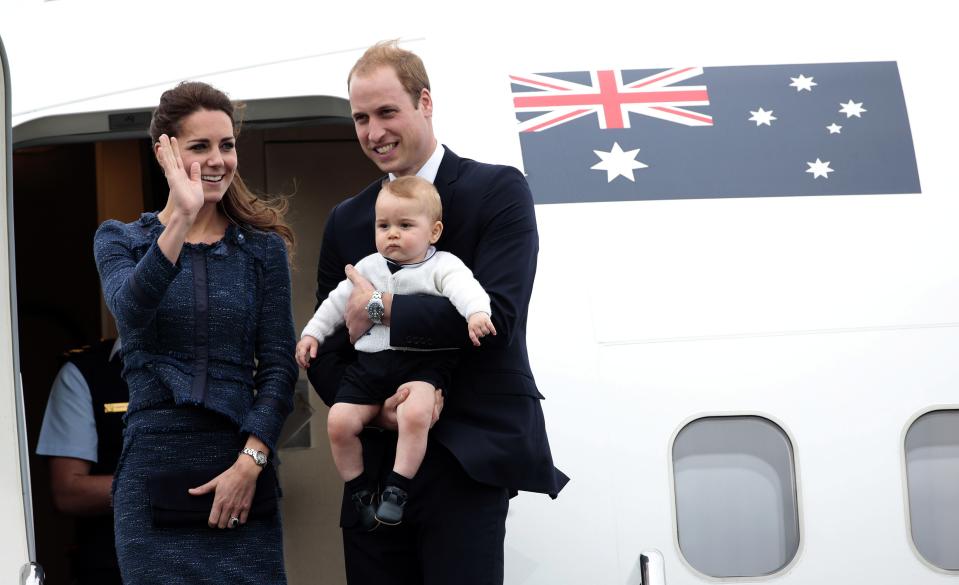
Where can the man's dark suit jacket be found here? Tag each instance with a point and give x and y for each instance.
(492, 420)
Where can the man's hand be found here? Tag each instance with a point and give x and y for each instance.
(386, 419)
(357, 318)
(480, 325)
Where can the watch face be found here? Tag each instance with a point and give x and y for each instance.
(258, 456)
(375, 311)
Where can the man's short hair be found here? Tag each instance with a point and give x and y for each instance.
(419, 189)
(408, 66)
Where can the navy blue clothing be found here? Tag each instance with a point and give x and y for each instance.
(208, 348)
(95, 561)
(490, 439)
(199, 348)
(103, 375)
(452, 532)
(165, 438)
(492, 421)
(377, 376)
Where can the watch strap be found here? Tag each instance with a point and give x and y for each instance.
(259, 457)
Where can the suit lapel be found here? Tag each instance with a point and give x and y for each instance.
(446, 177)
(456, 210)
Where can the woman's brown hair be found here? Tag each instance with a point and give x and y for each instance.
(240, 205)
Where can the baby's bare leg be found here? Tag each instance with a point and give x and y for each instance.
(414, 416)
(344, 425)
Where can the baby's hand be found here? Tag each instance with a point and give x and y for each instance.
(306, 350)
(480, 326)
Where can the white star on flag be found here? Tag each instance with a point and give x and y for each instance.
(834, 128)
(819, 169)
(802, 83)
(852, 109)
(762, 117)
(617, 162)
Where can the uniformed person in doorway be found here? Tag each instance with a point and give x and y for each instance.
(82, 435)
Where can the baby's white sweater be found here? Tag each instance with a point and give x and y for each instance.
(442, 274)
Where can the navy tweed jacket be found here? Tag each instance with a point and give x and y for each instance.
(213, 330)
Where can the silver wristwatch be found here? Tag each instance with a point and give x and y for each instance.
(375, 308)
(258, 456)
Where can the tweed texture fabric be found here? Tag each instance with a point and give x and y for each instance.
(208, 347)
(168, 438)
(210, 329)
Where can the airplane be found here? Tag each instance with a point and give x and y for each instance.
(748, 379)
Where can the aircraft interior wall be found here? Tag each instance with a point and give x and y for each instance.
(61, 194)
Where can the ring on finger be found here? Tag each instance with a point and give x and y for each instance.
(234, 522)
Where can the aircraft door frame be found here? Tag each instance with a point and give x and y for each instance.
(17, 551)
(283, 115)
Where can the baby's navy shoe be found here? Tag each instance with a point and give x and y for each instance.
(392, 502)
(363, 504)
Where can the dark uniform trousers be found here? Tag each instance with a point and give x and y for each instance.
(95, 559)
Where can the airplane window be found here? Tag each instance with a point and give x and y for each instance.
(737, 510)
(932, 477)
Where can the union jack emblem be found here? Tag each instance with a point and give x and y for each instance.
(655, 95)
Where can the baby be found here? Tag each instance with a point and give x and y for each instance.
(408, 223)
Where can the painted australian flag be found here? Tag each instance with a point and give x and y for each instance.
(684, 133)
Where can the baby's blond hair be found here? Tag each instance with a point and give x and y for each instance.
(413, 187)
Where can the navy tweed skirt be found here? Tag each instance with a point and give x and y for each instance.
(172, 438)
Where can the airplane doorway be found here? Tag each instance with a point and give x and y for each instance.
(65, 186)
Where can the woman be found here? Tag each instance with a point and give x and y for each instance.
(201, 295)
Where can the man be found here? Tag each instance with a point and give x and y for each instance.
(490, 440)
(82, 434)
